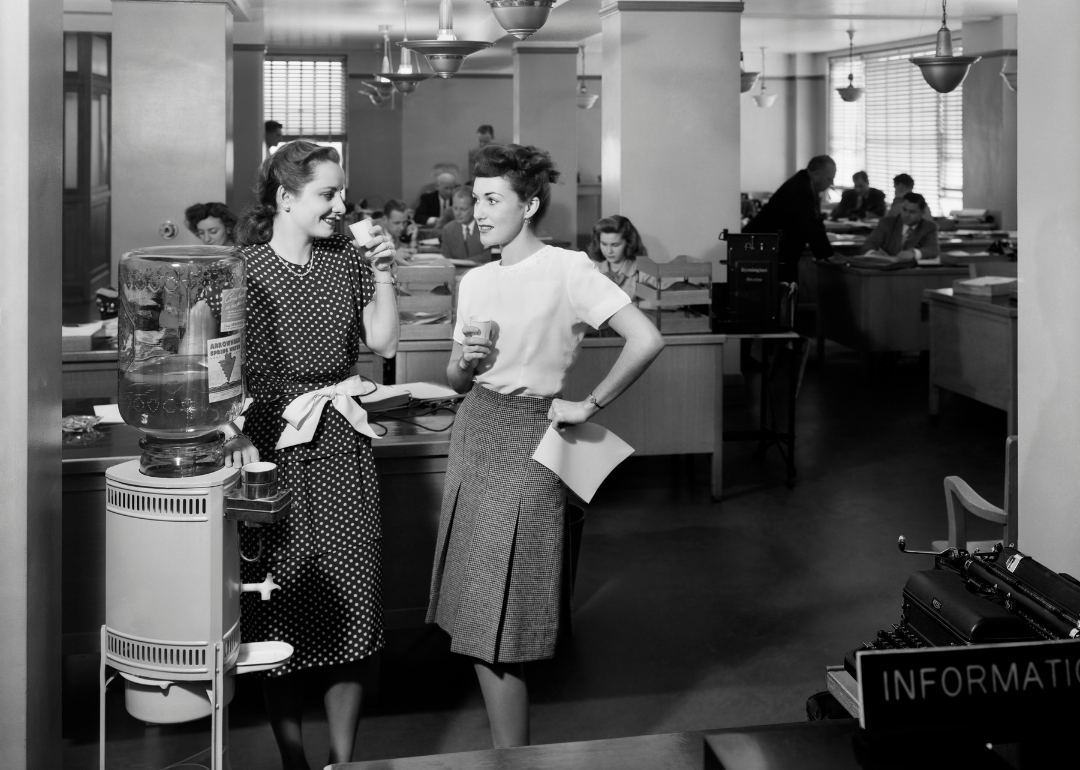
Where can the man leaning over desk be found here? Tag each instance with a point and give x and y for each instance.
(794, 211)
(908, 235)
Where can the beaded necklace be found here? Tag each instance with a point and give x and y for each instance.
(299, 270)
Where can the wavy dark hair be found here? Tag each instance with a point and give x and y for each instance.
(529, 170)
(200, 211)
(291, 167)
(617, 225)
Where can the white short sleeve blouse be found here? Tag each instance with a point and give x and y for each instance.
(539, 311)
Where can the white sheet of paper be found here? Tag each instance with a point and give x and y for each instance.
(430, 391)
(582, 456)
(109, 414)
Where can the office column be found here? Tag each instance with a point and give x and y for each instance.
(31, 133)
(249, 51)
(545, 115)
(670, 126)
(1049, 356)
(172, 116)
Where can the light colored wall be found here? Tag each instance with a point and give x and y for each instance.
(545, 107)
(1049, 270)
(588, 136)
(990, 123)
(439, 123)
(171, 61)
(31, 62)
(671, 155)
(779, 140)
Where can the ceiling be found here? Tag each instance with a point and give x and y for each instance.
(785, 26)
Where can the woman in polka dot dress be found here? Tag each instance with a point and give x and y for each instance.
(311, 298)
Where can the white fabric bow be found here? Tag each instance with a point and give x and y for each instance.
(303, 414)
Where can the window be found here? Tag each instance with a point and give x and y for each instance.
(900, 125)
(307, 97)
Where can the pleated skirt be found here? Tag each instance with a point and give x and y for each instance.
(500, 578)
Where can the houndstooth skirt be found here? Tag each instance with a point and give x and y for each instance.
(501, 568)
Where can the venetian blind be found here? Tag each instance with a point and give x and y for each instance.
(900, 125)
(307, 96)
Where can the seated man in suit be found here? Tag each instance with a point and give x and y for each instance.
(461, 238)
(397, 225)
(794, 211)
(860, 202)
(908, 235)
(902, 185)
(434, 209)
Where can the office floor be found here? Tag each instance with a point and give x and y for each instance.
(689, 614)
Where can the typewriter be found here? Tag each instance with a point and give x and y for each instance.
(975, 598)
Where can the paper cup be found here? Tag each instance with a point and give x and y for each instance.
(362, 231)
(483, 323)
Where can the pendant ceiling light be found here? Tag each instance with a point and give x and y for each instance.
(850, 93)
(585, 100)
(747, 79)
(446, 53)
(379, 90)
(763, 99)
(944, 72)
(521, 18)
(408, 74)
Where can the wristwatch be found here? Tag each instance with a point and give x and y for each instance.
(592, 400)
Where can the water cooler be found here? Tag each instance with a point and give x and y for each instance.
(172, 586)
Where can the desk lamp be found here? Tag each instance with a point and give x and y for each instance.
(172, 575)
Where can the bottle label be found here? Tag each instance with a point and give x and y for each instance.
(233, 309)
(224, 363)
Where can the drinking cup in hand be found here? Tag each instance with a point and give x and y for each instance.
(362, 231)
(483, 326)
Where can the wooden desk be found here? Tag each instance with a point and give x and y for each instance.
(876, 310)
(973, 346)
(412, 467)
(675, 408)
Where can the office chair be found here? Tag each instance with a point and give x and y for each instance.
(961, 499)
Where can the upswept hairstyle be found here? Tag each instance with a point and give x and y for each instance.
(291, 167)
(529, 170)
(618, 225)
(200, 211)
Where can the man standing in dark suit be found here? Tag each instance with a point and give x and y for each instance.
(794, 211)
(461, 238)
(434, 209)
(908, 235)
(861, 201)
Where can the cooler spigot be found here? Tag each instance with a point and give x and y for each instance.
(263, 589)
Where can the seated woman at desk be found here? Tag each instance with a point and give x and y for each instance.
(908, 235)
(615, 247)
(213, 223)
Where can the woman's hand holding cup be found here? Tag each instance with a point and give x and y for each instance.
(379, 248)
(477, 344)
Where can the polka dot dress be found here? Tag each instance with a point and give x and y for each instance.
(303, 333)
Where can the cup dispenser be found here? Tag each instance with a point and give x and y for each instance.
(172, 583)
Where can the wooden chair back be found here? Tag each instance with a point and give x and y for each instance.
(961, 499)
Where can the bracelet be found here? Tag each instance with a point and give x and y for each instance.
(391, 282)
(592, 400)
(230, 431)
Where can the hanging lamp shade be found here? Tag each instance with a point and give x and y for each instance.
(763, 99)
(944, 72)
(379, 89)
(521, 18)
(407, 76)
(585, 100)
(850, 93)
(446, 53)
(746, 79)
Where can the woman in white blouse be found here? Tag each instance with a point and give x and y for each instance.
(500, 579)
